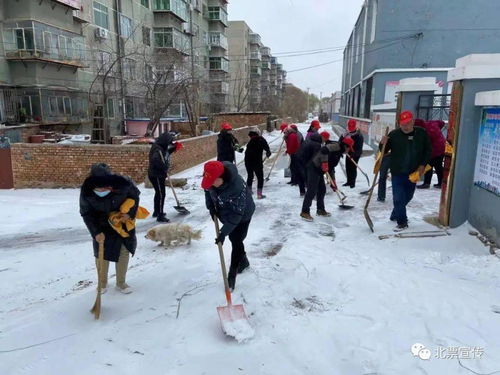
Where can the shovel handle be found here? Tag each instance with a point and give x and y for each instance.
(173, 190)
(223, 264)
(277, 156)
(335, 187)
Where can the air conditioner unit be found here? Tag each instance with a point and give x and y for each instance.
(101, 33)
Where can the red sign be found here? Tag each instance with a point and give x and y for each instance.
(75, 4)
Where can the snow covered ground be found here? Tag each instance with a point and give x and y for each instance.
(326, 297)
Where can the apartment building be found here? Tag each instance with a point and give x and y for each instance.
(393, 40)
(257, 81)
(94, 64)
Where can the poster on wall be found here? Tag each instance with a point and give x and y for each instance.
(390, 91)
(487, 172)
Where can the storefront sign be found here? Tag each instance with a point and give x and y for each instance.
(487, 172)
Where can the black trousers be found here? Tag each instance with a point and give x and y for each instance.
(351, 170)
(315, 188)
(159, 199)
(437, 164)
(298, 173)
(256, 168)
(237, 236)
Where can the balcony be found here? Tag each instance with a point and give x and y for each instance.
(217, 40)
(36, 41)
(274, 60)
(168, 37)
(265, 51)
(255, 71)
(255, 55)
(255, 39)
(217, 14)
(279, 67)
(219, 64)
(220, 88)
(178, 8)
(266, 65)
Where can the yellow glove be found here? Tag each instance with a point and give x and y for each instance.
(449, 149)
(415, 176)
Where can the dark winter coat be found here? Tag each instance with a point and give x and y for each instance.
(95, 211)
(159, 156)
(358, 139)
(336, 151)
(408, 151)
(232, 202)
(226, 145)
(255, 147)
(309, 148)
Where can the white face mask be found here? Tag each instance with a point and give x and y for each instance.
(102, 194)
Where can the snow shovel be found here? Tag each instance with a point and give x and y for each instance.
(365, 210)
(233, 318)
(277, 157)
(342, 196)
(96, 309)
(359, 168)
(180, 209)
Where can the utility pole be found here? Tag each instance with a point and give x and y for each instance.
(194, 82)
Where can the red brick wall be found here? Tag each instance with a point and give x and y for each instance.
(53, 165)
(239, 120)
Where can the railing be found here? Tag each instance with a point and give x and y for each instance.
(218, 40)
(177, 7)
(265, 51)
(255, 55)
(255, 39)
(36, 40)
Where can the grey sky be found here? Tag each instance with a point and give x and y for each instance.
(293, 25)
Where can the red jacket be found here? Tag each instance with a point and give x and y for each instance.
(436, 136)
(292, 143)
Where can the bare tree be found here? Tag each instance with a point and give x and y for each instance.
(294, 103)
(241, 91)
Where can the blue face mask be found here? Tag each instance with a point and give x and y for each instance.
(102, 194)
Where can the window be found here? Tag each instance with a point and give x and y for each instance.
(63, 46)
(374, 20)
(129, 68)
(145, 3)
(24, 39)
(19, 38)
(129, 107)
(163, 37)
(125, 26)
(162, 4)
(149, 73)
(104, 62)
(101, 15)
(146, 35)
(111, 108)
(60, 104)
(53, 105)
(67, 105)
(219, 63)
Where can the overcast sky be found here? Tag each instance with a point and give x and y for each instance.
(293, 25)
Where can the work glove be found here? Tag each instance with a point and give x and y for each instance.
(220, 240)
(324, 167)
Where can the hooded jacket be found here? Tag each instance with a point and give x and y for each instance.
(159, 156)
(226, 143)
(255, 147)
(232, 202)
(95, 210)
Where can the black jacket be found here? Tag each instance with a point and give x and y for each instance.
(336, 151)
(226, 144)
(232, 202)
(309, 148)
(358, 139)
(159, 156)
(255, 147)
(95, 212)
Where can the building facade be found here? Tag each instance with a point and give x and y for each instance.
(95, 64)
(257, 80)
(393, 40)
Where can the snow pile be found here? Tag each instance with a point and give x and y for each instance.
(240, 329)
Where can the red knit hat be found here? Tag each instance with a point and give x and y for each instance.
(226, 126)
(315, 124)
(294, 126)
(325, 135)
(211, 171)
(405, 117)
(349, 142)
(351, 125)
(283, 126)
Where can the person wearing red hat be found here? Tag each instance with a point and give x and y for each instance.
(438, 142)
(228, 198)
(410, 149)
(355, 153)
(227, 144)
(283, 127)
(336, 150)
(313, 128)
(294, 140)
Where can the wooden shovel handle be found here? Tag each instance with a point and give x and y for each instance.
(223, 264)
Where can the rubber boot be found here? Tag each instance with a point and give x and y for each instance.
(259, 194)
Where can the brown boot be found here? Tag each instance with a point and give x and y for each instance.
(323, 213)
(306, 216)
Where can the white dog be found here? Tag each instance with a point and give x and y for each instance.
(173, 234)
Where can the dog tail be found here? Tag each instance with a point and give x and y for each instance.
(196, 234)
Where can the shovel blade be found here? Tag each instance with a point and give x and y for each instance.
(96, 309)
(182, 210)
(368, 220)
(235, 323)
(345, 207)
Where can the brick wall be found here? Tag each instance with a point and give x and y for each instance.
(239, 120)
(53, 165)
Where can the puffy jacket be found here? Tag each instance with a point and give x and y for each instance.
(438, 141)
(336, 150)
(159, 156)
(232, 202)
(255, 147)
(309, 148)
(292, 143)
(95, 211)
(226, 144)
